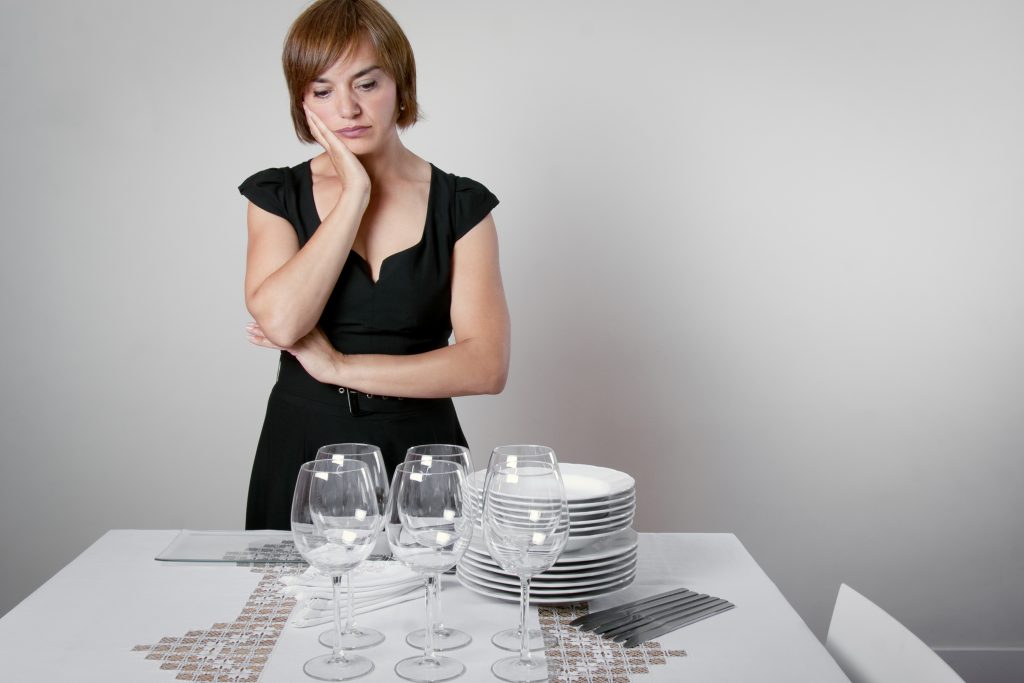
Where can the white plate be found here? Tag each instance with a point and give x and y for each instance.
(575, 528)
(545, 580)
(603, 512)
(591, 505)
(611, 520)
(597, 507)
(560, 568)
(608, 546)
(502, 583)
(469, 583)
(576, 542)
(560, 591)
(583, 483)
(600, 530)
(512, 582)
(590, 482)
(613, 545)
(569, 567)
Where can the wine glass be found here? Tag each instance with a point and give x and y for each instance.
(335, 522)
(445, 638)
(511, 638)
(429, 525)
(357, 637)
(526, 525)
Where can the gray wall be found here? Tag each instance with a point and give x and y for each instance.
(767, 257)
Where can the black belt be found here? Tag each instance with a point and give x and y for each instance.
(293, 379)
(353, 398)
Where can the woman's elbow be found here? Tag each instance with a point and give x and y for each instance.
(495, 383)
(282, 337)
(280, 332)
(495, 375)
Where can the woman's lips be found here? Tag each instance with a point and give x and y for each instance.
(353, 132)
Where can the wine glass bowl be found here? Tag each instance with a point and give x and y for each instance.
(524, 533)
(428, 453)
(363, 452)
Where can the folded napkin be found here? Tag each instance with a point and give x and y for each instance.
(374, 585)
(304, 616)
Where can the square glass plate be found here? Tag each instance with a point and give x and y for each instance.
(239, 547)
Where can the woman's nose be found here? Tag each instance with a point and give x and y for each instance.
(348, 107)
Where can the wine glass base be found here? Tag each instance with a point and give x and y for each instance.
(344, 668)
(511, 639)
(445, 639)
(356, 639)
(423, 670)
(516, 670)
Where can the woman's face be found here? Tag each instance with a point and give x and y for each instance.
(356, 99)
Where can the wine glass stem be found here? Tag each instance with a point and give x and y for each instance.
(524, 602)
(350, 622)
(337, 654)
(428, 639)
(436, 618)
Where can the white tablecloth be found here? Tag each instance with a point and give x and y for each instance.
(84, 622)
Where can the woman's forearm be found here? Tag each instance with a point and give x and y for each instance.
(469, 367)
(290, 301)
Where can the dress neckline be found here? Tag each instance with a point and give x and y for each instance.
(365, 265)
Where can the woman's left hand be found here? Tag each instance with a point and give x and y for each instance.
(314, 351)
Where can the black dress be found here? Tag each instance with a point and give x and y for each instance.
(406, 311)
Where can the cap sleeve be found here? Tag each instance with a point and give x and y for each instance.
(266, 190)
(473, 202)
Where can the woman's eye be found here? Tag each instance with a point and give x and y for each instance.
(368, 85)
(321, 94)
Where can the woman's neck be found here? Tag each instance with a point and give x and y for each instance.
(394, 160)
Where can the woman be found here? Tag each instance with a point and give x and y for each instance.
(362, 262)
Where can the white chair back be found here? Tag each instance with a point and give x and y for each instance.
(872, 647)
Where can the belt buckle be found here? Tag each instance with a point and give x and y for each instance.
(353, 401)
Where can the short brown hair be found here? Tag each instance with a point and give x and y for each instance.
(326, 32)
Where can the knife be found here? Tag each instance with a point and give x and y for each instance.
(672, 611)
(634, 614)
(665, 626)
(587, 621)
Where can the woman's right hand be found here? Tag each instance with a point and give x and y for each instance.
(351, 173)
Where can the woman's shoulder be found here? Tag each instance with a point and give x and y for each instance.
(461, 184)
(273, 189)
(277, 175)
(471, 201)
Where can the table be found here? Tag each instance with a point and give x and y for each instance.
(97, 619)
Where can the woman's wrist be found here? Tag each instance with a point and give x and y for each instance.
(354, 198)
(339, 371)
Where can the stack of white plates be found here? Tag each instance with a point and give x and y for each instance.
(600, 568)
(602, 501)
(599, 556)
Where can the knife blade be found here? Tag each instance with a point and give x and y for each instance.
(587, 620)
(665, 626)
(672, 611)
(648, 613)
